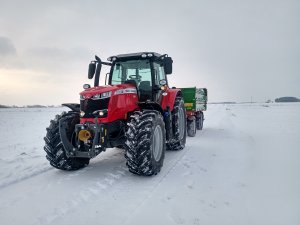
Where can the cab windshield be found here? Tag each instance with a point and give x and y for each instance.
(137, 72)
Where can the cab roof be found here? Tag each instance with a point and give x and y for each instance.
(138, 55)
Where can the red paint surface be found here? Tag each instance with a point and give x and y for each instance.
(119, 104)
(169, 99)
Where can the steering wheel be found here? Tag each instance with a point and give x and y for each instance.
(137, 77)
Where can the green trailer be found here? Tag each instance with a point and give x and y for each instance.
(195, 101)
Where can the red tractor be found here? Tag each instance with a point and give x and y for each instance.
(136, 111)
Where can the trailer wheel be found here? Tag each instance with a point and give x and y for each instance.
(54, 148)
(178, 125)
(199, 120)
(145, 143)
(191, 127)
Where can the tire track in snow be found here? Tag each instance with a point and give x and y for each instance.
(25, 177)
(95, 186)
(104, 183)
(84, 195)
(172, 163)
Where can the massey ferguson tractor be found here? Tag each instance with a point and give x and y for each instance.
(136, 110)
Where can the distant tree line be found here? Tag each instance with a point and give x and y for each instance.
(4, 106)
(36, 106)
(28, 106)
(287, 99)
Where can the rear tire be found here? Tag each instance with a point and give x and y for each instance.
(56, 153)
(145, 143)
(191, 127)
(178, 126)
(199, 120)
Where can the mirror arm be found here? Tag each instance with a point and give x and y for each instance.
(106, 63)
(98, 60)
(106, 77)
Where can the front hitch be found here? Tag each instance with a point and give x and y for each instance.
(99, 137)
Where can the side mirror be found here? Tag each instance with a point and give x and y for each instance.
(86, 86)
(168, 62)
(162, 82)
(92, 69)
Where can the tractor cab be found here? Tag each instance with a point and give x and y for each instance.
(135, 72)
(146, 71)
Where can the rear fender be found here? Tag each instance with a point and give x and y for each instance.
(168, 99)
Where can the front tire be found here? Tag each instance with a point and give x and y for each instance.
(145, 143)
(56, 153)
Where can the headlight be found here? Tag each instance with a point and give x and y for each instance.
(82, 97)
(106, 94)
(82, 114)
(102, 95)
(97, 96)
(100, 113)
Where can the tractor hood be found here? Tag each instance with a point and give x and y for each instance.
(90, 92)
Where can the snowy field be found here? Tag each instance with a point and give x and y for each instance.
(243, 168)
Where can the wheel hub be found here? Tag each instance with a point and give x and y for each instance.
(157, 143)
(181, 125)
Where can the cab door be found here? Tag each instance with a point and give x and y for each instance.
(159, 74)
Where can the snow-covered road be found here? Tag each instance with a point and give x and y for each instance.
(243, 168)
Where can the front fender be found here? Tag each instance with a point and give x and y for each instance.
(152, 106)
(73, 106)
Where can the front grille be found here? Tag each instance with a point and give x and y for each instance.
(90, 105)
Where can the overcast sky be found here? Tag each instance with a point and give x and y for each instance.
(237, 49)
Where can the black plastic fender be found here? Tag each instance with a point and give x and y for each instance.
(73, 106)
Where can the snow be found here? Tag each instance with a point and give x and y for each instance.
(242, 168)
